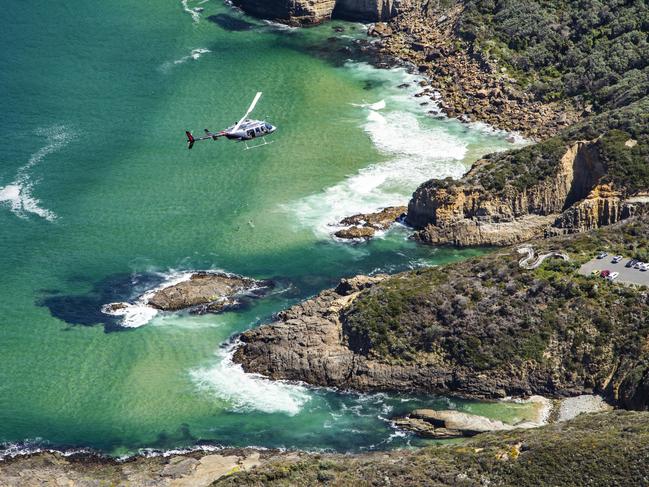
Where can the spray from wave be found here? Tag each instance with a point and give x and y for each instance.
(194, 12)
(247, 392)
(415, 153)
(139, 313)
(194, 55)
(415, 147)
(18, 194)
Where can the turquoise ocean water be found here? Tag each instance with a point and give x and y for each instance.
(100, 200)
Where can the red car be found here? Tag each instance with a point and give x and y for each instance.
(604, 273)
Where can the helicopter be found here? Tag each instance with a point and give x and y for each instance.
(243, 131)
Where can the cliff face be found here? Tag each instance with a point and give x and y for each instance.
(299, 12)
(486, 328)
(306, 12)
(571, 198)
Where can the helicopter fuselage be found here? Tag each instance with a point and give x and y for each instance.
(249, 129)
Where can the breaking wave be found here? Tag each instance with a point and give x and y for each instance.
(17, 195)
(139, 313)
(415, 153)
(244, 392)
(414, 145)
(195, 55)
(194, 12)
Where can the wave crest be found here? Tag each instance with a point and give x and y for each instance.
(247, 392)
(18, 194)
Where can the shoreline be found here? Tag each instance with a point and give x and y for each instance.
(469, 87)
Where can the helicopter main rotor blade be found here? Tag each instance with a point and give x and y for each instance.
(252, 107)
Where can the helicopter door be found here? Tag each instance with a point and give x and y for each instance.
(251, 133)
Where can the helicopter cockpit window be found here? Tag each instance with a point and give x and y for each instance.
(268, 127)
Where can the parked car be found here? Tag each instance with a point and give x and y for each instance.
(644, 267)
(617, 259)
(638, 265)
(631, 263)
(596, 272)
(612, 276)
(601, 255)
(604, 273)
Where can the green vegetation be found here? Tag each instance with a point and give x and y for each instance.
(627, 168)
(595, 449)
(489, 314)
(594, 52)
(595, 49)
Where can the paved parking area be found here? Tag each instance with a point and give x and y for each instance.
(627, 275)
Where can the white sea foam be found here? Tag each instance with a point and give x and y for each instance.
(247, 392)
(37, 445)
(415, 154)
(17, 195)
(139, 313)
(414, 147)
(194, 12)
(379, 105)
(194, 55)
(279, 25)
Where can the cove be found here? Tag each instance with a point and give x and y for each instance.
(99, 199)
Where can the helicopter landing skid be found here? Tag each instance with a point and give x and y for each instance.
(258, 145)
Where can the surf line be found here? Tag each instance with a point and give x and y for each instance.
(18, 194)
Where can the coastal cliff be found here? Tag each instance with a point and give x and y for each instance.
(309, 12)
(486, 328)
(562, 185)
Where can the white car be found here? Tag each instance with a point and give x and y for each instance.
(617, 259)
(644, 267)
(638, 265)
(612, 276)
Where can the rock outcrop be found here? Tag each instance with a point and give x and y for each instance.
(485, 328)
(365, 225)
(309, 12)
(201, 292)
(558, 454)
(570, 199)
(449, 424)
(307, 343)
(213, 290)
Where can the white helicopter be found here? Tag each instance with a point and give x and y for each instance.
(244, 130)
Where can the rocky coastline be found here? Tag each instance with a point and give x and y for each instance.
(424, 331)
(613, 445)
(471, 87)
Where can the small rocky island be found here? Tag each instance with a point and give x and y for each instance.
(198, 292)
(206, 292)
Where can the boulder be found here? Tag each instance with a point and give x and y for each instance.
(203, 288)
(365, 225)
(355, 232)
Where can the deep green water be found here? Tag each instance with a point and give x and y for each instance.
(100, 200)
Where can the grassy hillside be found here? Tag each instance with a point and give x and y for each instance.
(596, 449)
(490, 315)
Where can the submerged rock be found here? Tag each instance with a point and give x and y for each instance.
(204, 288)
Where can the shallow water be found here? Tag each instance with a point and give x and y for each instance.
(100, 201)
